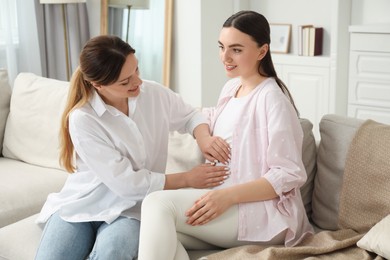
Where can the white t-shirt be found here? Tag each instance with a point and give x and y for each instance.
(226, 123)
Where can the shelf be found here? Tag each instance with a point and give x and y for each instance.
(291, 59)
(370, 28)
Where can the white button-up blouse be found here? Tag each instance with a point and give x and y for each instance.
(120, 159)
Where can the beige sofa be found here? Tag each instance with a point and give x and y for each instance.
(29, 168)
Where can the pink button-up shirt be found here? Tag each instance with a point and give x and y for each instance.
(267, 143)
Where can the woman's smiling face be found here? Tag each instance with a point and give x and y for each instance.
(128, 83)
(239, 53)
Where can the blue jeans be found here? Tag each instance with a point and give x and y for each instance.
(62, 240)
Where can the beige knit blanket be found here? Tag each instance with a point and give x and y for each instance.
(364, 201)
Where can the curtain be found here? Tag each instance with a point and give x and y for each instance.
(8, 37)
(19, 51)
(145, 33)
(116, 26)
(54, 48)
(32, 39)
(147, 37)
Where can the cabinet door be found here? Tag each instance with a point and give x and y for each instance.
(369, 79)
(370, 112)
(309, 87)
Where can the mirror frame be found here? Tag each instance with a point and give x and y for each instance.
(167, 50)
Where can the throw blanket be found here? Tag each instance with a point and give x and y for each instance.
(363, 202)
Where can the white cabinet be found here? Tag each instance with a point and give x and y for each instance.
(369, 73)
(308, 83)
(319, 84)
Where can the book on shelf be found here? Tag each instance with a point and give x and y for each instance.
(315, 41)
(310, 40)
(303, 38)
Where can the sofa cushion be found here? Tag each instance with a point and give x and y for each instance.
(24, 188)
(365, 191)
(32, 128)
(5, 95)
(336, 133)
(309, 152)
(377, 239)
(178, 161)
(20, 240)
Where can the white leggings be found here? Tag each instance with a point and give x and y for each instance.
(165, 235)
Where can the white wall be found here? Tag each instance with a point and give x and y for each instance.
(197, 73)
(213, 73)
(186, 49)
(293, 12)
(370, 12)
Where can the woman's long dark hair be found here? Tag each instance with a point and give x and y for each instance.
(257, 26)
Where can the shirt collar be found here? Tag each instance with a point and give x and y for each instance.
(100, 107)
(237, 83)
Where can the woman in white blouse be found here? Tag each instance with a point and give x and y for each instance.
(114, 141)
(260, 203)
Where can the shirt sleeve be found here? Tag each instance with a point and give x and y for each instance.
(97, 151)
(284, 154)
(183, 117)
(209, 113)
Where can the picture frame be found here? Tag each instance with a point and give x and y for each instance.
(280, 37)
